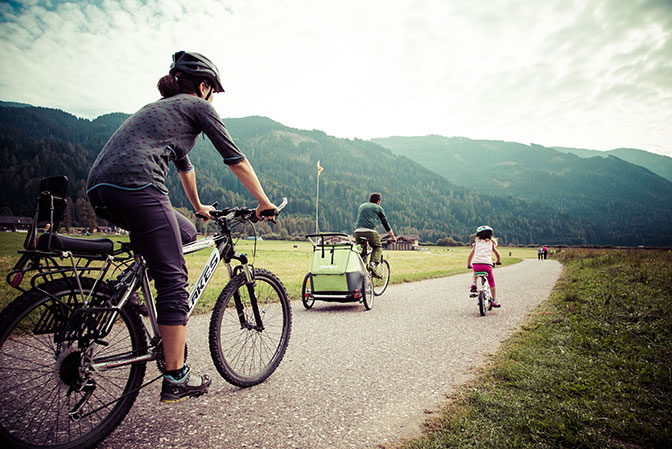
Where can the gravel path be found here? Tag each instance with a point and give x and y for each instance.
(350, 378)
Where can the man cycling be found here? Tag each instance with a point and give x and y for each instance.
(368, 216)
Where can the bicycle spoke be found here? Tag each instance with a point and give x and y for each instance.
(43, 382)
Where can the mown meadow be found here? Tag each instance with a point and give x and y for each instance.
(589, 368)
(291, 260)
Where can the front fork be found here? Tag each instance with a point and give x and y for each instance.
(250, 284)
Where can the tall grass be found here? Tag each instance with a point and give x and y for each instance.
(592, 368)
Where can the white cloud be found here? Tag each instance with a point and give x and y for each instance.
(560, 72)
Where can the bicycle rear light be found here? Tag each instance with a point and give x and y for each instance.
(16, 280)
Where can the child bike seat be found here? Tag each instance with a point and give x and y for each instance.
(58, 242)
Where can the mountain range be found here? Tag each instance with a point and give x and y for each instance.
(601, 189)
(529, 194)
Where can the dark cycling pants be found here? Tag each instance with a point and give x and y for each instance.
(158, 232)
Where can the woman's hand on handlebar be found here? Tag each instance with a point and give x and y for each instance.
(204, 212)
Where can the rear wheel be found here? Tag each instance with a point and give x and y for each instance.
(244, 352)
(367, 293)
(380, 283)
(307, 292)
(51, 396)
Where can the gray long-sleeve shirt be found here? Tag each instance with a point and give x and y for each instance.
(139, 152)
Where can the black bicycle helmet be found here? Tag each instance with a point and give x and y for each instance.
(196, 65)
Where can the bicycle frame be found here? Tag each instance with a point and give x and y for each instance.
(223, 250)
(365, 247)
(482, 282)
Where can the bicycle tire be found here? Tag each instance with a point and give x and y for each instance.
(243, 355)
(482, 303)
(37, 374)
(380, 284)
(306, 292)
(367, 292)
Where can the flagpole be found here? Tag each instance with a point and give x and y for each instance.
(317, 200)
(317, 203)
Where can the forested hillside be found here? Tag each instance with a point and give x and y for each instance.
(38, 142)
(416, 200)
(659, 164)
(631, 202)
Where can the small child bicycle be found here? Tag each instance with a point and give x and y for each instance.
(483, 291)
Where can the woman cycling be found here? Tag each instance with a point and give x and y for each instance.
(127, 179)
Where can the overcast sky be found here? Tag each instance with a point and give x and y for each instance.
(588, 74)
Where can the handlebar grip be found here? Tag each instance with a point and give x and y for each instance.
(203, 217)
(274, 212)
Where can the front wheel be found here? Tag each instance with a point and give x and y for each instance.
(307, 292)
(51, 397)
(483, 305)
(247, 345)
(380, 283)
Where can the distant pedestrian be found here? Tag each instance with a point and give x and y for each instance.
(540, 253)
(545, 251)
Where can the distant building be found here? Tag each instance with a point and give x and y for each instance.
(404, 242)
(13, 224)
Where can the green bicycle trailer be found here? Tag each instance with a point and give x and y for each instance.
(337, 272)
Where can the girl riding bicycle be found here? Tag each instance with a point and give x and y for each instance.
(481, 256)
(127, 183)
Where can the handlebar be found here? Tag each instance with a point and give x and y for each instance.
(492, 265)
(246, 213)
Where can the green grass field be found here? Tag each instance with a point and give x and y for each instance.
(291, 261)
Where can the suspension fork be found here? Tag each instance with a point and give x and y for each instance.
(250, 285)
